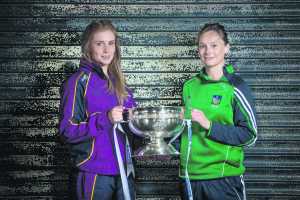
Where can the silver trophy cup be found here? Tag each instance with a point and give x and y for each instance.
(157, 123)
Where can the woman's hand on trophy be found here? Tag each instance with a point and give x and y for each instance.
(199, 116)
(116, 114)
(130, 113)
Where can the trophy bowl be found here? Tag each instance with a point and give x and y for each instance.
(157, 123)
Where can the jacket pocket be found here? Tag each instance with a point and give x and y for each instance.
(82, 152)
(235, 156)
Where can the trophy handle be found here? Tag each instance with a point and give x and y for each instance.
(182, 126)
(175, 152)
(135, 130)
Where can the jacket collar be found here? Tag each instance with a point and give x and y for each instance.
(88, 66)
(228, 71)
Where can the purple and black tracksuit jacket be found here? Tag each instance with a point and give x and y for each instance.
(84, 121)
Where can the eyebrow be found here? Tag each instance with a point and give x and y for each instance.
(105, 41)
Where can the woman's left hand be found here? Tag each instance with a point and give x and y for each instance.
(199, 116)
(130, 110)
(115, 114)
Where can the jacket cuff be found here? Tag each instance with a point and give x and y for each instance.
(214, 127)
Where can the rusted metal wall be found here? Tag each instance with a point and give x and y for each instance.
(39, 47)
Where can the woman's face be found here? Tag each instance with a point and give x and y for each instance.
(212, 49)
(103, 47)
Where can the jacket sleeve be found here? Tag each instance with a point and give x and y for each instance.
(75, 126)
(130, 101)
(244, 130)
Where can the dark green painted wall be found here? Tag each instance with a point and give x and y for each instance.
(39, 47)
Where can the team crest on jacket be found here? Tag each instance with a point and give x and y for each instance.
(216, 99)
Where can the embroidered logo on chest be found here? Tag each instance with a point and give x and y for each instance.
(216, 99)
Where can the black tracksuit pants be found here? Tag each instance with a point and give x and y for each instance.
(227, 188)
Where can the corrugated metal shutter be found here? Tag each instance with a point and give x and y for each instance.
(39, 47)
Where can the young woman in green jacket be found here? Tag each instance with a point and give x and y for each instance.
(221, 108)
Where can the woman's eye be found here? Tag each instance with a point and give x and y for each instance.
(112, 43)
(99, 43)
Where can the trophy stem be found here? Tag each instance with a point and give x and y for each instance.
(156, 146)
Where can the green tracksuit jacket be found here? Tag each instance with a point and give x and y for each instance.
(228, 104)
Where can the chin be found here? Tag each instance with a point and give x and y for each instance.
(105, 62)
(213, 64)
(210, 64)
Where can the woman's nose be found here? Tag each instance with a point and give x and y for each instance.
(105, 48)
(207, 50)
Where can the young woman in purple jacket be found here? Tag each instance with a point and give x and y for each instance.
(93, 100)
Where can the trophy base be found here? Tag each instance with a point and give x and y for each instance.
(156, 150)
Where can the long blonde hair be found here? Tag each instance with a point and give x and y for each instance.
(118, 84)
